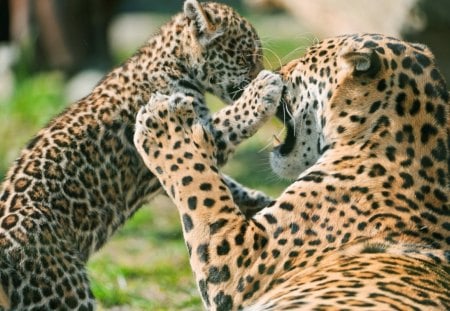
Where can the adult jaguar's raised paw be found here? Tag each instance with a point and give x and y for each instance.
(168, 125)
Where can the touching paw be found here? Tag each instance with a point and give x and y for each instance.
(268, 87)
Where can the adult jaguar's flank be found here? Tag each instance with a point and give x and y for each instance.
(80, 178)
(366, 223)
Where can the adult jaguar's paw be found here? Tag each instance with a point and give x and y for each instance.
(168, 130)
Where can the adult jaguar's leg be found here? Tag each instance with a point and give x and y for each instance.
(182, 152)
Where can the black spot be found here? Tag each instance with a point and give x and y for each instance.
(374, 107)
(218, 275)
(177, 145)
(441, 196)
(426, 131)
(287, 206)
(186, 180)
(33, 142)
(275, 253)
(203, 287)
(423, 60)
(446, 226)
(426, 162)
(416, 69)
(199, 167)
(396, 48)
(400, 104)
(187, 223)
(294, 228)
(71, 302)
(390, 153)
(407, 62)
(22, 184)
(208, 202)
(192, 203)
(270, 218)
(223, 302)
(382, 121)
(188, 155)
(223, 248)
(402, 80)
(203, 253)
(370, 44)
(359, 189)
(440, 152)
(205, 187)
(343, 176)
(440, 115)
(381, 86)
(408, 180)
(415, 107)
(430, 90)
(377, 170)
(373, 249)
(435, 75)
(9, 221)
(362, 226)
(346, 238)
(217, 225)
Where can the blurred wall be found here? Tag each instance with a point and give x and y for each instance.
(327, 18)
(424, 21)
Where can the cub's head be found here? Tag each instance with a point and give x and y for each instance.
(351, 91)
(225, 50)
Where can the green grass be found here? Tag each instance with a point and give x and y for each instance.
(35, 100)
(145, 266)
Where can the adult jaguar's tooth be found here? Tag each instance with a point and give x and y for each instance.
(277, 141)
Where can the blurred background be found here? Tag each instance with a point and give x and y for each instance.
(52, 52)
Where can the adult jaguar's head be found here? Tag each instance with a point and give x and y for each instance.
(224, 49)
(355, 90)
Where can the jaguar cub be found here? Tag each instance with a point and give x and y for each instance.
(81, 177)
(366, 223)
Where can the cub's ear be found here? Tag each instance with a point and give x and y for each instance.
(364, 62)
(204, 29)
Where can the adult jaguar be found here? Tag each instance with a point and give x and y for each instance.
(365, 225)
(80, 178)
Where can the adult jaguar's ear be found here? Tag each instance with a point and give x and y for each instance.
(204, 29)
(365, 62)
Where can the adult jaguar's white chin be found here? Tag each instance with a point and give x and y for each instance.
(285, 166)
(294, 155)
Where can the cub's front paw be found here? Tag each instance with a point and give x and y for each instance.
(267, 87)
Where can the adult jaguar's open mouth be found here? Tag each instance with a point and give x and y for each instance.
(285, 116)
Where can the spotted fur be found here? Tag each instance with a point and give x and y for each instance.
(80, 178)
(366, 223)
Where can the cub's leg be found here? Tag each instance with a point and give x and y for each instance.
(239, 121)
